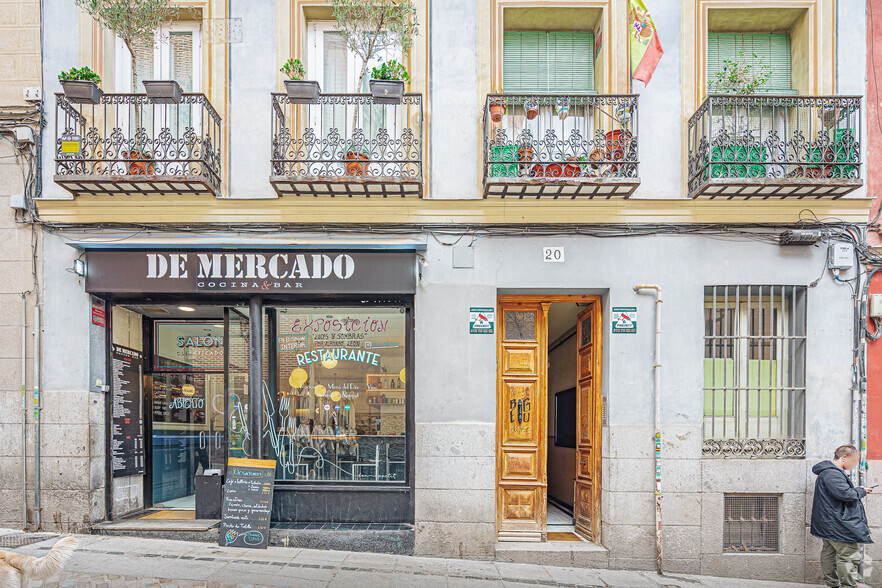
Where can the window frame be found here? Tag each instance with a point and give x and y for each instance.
(734, 424)
(161, 56)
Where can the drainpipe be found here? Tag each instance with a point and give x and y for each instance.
(37, 408)
(656, 368)
(24, 413)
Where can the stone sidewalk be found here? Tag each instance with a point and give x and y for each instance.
(116, 561)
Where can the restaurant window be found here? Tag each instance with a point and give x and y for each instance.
(754, 371)
(339, 414)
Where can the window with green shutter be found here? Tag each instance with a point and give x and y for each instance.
(539, 61)
(771, 50)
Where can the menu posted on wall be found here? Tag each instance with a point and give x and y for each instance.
(248, 500)
(127, 436)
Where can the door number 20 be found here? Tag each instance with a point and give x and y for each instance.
(553, 254)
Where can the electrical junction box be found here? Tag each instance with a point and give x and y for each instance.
(17, 201)
(840, 256)
(875, 310)
(24, 134)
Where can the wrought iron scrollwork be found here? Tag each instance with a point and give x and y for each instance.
(127, 135)
(780, 137)
(347, 135)
(560, 136)
(754, 448)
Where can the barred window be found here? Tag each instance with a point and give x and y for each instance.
(754, 371)
(751, 523)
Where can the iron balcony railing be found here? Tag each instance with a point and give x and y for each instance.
(542, 138)
(126, 143)
(347, 144)
(788, 145)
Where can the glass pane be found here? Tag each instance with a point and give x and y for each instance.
(586, 331)
(181, 56)
(340, 410)
(520, 325)
(238, 362)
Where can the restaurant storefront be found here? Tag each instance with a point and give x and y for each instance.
(314, 348)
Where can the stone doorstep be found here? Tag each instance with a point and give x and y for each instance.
(573, 554)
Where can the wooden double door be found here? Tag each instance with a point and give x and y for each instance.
(521, 417)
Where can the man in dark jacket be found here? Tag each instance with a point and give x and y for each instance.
(838, 517)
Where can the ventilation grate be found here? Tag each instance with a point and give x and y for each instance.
(21, 539)
(751, 523)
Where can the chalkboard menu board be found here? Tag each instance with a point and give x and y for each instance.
(248, 500)
(127, 437)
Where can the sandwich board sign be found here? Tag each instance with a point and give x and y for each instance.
(624, 319)
(481, 320)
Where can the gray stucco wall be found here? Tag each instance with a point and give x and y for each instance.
(456, 391)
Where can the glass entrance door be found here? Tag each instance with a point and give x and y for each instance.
(237, 358)
(187, 403)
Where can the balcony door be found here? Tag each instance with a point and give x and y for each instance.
(336, 67)
(175, 53)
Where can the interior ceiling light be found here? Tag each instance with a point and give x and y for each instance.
(186, 308)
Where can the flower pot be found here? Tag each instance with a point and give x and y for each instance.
(531, 107)
(163, 91)
(562, 108)
(551, 170)
(497, 109)
(356, 168)
(81, 91)
(141, 164)
(616, 144)
(572, 170)
(387, 91)
(302, 91)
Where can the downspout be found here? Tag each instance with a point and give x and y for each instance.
(656, 369)
(24, 413)
(37, 408)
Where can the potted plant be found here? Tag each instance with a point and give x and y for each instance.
(299, 91)
(497, 109)
(131, 24)
(359, 162)
(387, 82)
(131, 21)
(81, 85)
(739, 77)
(562, 108)
(374, 28)
(531, 107)
(163, 91)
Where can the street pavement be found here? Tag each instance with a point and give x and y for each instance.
(105, 561)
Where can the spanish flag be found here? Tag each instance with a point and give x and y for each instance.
(645, 47)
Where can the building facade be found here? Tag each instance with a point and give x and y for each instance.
(431, 306)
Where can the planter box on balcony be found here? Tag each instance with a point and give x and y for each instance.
(302, 91)
(387, 91)
(726, 162)
(81, 91)
(163, 91)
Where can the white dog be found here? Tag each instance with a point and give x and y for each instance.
(16, 570)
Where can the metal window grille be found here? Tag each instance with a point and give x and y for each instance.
(751, 523)
(754, 371)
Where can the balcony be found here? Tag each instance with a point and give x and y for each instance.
(347, 145)
(775, 147)
(560, 146)
(127, 145)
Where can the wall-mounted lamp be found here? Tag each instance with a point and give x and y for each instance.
(79, 267)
